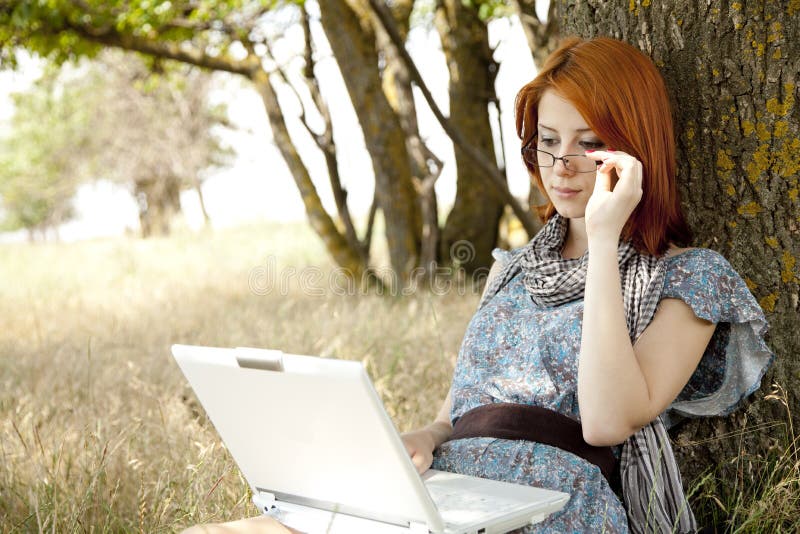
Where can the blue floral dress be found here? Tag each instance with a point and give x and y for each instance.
(515, 351)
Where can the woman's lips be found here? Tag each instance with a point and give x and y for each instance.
(565, 192)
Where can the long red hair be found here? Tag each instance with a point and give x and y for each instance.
(623, 98)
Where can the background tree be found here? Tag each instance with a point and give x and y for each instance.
(235, 37)
(732, 69)
(41, 163)
(110, 118)
(465, 41)
(154, 133)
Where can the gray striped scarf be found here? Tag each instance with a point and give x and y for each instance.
(651, 483)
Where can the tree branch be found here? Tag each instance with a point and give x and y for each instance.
(168, 50)
(491, 171)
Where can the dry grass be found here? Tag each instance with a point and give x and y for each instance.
(99, 431)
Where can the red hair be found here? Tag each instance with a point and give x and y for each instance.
(622, 97)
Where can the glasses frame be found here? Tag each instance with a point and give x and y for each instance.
(563, 159)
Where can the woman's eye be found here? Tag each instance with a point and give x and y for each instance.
(546, 141)
(594, 145)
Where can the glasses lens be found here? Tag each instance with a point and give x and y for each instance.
(537, 158)
(579, 163)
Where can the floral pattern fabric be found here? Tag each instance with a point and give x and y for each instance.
(515, 351)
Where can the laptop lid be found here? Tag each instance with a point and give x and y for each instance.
(308, 430)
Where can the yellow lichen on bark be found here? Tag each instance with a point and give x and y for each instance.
(768, 303)
(748, 128)
(724, 164)
(775, 33)
(787, 158)
(772, 242)
(781, 109)
(762, 132)
(750, 284)
(731, 190)
(751, 208)
(758, 164)
(788, 262)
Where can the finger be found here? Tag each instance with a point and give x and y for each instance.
(602, 181)
(418, 462)
(600, 155)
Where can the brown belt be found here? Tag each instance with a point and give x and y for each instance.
(533, 423)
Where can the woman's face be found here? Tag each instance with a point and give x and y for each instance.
(562, 130)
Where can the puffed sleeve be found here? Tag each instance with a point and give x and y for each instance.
(737, 356)
(502, 256)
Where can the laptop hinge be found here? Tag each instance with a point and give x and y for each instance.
(264, 501)
(415, 527)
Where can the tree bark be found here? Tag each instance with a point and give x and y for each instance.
(343, 254)
(733, 71)
(352, 40)
(475, 214)
(198, 187)
(159, 201)
(541, 35)
(325, 141)
(495, 179)
(250, 67)
(425, 166)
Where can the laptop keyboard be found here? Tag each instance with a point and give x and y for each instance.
(459, 506)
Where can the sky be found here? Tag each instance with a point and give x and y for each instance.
(258, 185)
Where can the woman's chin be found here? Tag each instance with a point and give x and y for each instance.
(570, 212)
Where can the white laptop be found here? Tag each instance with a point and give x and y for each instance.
(319, 452)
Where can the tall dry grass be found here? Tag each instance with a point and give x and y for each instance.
(99, 431)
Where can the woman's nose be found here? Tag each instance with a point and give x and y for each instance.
(561, 166)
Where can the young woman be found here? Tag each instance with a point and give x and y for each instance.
(601, 330)
(601, 319)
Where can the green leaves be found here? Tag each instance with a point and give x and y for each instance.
(38, 170)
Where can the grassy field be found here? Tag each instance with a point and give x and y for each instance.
(98, 429)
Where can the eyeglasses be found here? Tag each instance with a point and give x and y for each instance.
(535, 158)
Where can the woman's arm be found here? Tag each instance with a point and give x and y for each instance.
(421, 443)
(622, 387)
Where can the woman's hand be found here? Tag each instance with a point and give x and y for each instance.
(420, 445)
(607, 211)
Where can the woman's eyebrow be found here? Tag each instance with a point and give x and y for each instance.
(542, 126)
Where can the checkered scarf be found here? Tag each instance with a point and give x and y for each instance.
(651, 482)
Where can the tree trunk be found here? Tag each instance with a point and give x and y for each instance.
(325, 141)
(343, 254)
(475, 214)
(198, 187)
(159, 201)
(352, 40)
(425, 166)
(541, 35)
(733, 71)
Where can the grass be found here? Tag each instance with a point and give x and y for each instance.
(99, 431)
